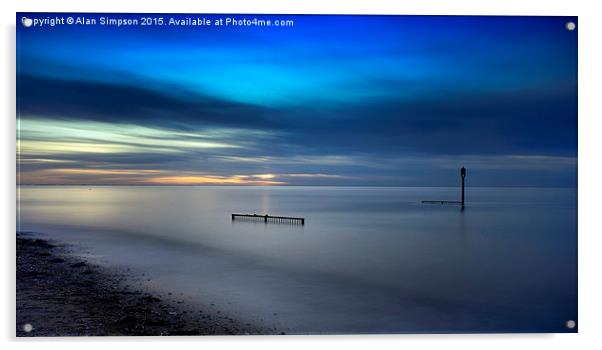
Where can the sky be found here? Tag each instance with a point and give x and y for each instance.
(331, 100)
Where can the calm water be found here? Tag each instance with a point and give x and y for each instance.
(367, 259)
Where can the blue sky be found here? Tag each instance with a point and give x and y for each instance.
(332, 100)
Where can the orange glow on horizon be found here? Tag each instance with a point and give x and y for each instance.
(140, 177)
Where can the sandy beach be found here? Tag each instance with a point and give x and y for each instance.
(59, 294)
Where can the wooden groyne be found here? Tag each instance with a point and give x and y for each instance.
(269, 218)
(461, 202)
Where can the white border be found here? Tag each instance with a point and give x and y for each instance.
(590, 112)
(449, 7)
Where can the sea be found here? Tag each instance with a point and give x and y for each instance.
(367, 259)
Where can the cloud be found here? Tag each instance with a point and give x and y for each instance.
(522, 122)
(198, 139)
(45, 136)
(119, 102)
(215, 180)
(445, 121)
(325, 160)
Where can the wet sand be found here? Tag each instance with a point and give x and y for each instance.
(59, 294)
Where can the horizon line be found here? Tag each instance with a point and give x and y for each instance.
(290, 185)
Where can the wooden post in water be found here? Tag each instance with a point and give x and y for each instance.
(461, 202)
(463, 175)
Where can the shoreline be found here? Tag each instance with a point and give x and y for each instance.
(60, 294)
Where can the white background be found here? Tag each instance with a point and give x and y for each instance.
(590, 196)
